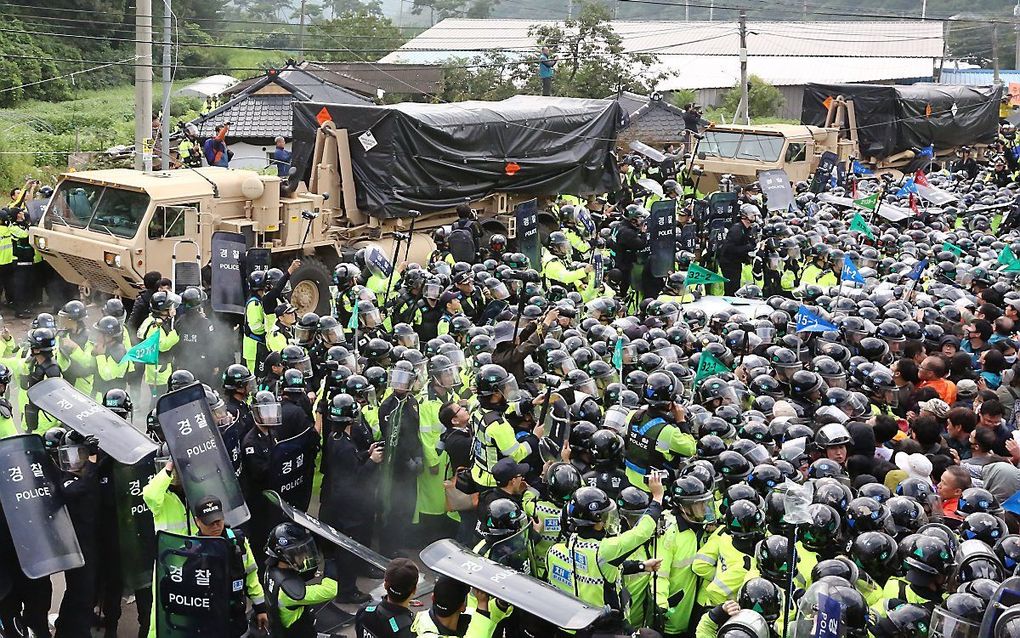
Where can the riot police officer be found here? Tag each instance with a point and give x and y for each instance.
(293, 584)
(39, 365)
(654, 437)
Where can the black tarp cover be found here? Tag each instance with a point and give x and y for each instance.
(434, 156)
(891, 119)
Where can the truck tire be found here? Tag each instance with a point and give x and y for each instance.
(310, 287)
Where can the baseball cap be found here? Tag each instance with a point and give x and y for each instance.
(401, 578)
(506, 469)
(448, 596)
(1013, 303)
(937, 407)
(915, 465)
(447, 297)
(209, 510)
(966, 388)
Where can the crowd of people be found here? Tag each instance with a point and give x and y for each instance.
(725, 472)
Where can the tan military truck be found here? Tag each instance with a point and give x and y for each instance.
(105, 229)
(888, 129)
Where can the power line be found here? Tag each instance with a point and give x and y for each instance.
(67, 75)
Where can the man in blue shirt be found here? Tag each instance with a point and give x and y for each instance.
(545, 70)
(281, 157)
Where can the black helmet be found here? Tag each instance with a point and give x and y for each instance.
(928, 560)
(607, 448)
(823, 532)
(832, 493)
(745, 522)
(983, 526)
(110, 326)
(491, 379)
(921, 491)
(266, 410)
(977, 499)
(1008, 551)
(876, 491)
(503, 518)
(762, 596)
(764, 478)
(581, 434)
(180, 378)
(691, 500)
(73, 310)
(905, 621)
(732, 466)
(876, 554)
(773, 557)
(588, 507)
(117, 401)
(114, 307)
(710, 446)
(193, 297)
(975, 559)
(839, 567)
(659, 389)
(343, 409)
(804, 383)
(865, 514)
(237, 378)
(42, 340)
(906, 516)
(257, 280)
(561, 481)
(825, 468)
(632, 504)
(162, 301)
(294, 545)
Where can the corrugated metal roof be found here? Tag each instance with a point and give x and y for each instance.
(712, 72)
(977, 77)
(463, 38)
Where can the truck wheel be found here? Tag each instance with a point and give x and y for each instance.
(310, 287)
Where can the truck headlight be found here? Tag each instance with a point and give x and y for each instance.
(111, 259)
(40, 243)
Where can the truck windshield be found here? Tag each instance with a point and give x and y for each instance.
(741, 145)
(100, 208)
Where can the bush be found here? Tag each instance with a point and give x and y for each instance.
(764, 99)
(684, 97)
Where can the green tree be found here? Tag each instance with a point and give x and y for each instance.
(764, 100)
(441, 9)
(362, 33)
(489, 77)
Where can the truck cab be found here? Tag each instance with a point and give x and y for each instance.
(744, 151)
(105, 229)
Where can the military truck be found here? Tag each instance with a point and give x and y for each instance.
(888, 129)
(360, 174)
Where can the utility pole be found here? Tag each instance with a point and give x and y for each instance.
(711, 11)
(1016, 29)
(143, 79)
(995, 53)
(687, 10)
(301, 31)
(164, 134)
(924, 9)
(743, 110)
(570, 9)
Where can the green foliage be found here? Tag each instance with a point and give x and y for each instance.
(684, 97)
(362, 33)
(441, 9)
(490, 77)
(764, 100)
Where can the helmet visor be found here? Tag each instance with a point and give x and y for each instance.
(616, 419)
(446, 377)
(267, 414)
(945, 625)
(72, 457)
(432, 291)
(499, 292)
(697, 509)
(510, 390)
(333, 336)
(304, 334)
(409, 340)
(668, 354)
(588, 387)
(512, 551)
(304, 557)
(370, 318)
(402, 380)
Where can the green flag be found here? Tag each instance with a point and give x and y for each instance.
(697, 275)
(953, 247)
(1006, 257)
(707, 366)
(868, 203)
(858, 225)
(353, 323)
(146, 351)
(618, 353)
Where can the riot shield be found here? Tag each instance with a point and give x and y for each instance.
(662, 237)
(117, 437)
(599, 266)
(377, 262)
(722, 213)
(231, 435)
(200, 457)
(193, 586)
(136, 534)
(526, 218)
(40, 526)
(227, 293)
(292, 468)
(775, 184)
(688, 238)
(826, 163)
(326, 532)
(452, 559)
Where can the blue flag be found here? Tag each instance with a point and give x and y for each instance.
(808, 321)
(928, 151)
(908, 187)
(146, 351)
(1012, 504)
(919, 267)
(850, 272)
(860, 169)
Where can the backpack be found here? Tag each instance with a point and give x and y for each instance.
(462, 244)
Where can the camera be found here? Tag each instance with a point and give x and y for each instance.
(401, 236)
(309, 214)
(662, 474)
